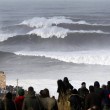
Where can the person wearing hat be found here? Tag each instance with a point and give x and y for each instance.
(19, 99)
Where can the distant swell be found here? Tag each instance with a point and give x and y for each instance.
(40, 22)
(72, 41)
(81, 57)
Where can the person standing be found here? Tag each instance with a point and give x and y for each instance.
(30, 101)
(19, 99)
(75, 100)
(49, 103)
(68, 85)
(92, 100)
(83, 91)
(8, 103)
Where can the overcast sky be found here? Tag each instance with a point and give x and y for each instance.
(54, 0)
(98, 1)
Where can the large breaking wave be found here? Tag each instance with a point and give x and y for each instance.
(79, 57)
(49, 27)
(60, 32)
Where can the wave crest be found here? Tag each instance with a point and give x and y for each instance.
(4, 37)
(39, 22)
(83, 57)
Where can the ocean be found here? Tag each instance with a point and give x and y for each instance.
(42, 41)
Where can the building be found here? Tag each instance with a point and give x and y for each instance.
(2, 80)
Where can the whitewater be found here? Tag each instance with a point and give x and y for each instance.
(48, 27)
(80, 57)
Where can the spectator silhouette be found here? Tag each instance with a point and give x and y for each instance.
(61, 90)
(75, 100)
(93, 100)
(67, 84)
(48, 102)
(83, 92)
(8, 102)
(19, 100)
(31, 102)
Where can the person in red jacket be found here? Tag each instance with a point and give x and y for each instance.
(19, 99)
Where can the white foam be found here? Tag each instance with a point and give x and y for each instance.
(89, 31)
(4, 36)
(39, 22)
(81, 57)
(81, 22)
(44, 27)
(48, 32)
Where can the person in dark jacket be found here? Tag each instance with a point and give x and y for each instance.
(1, 104)
(93, 100)
(8, 102)
(106, 98)
(19, 99)
(83, 92)
(61, 90)
(98, 90)
(30, 101)
(75, 100)
(67, 84)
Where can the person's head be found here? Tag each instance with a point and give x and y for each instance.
(42, 93)
(83, 84)
(104, 86)
(108, 87)
(47, 94)
(61, 86)
(59, 82)
(9, 96)
(96, 84)
(30, 89)
(21, 92)
(74, 91)
(108, 83)
(66, 80)
(91, 89)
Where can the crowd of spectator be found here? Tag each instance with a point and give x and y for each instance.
(96, 97)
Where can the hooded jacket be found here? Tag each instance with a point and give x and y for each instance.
(31, 102)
